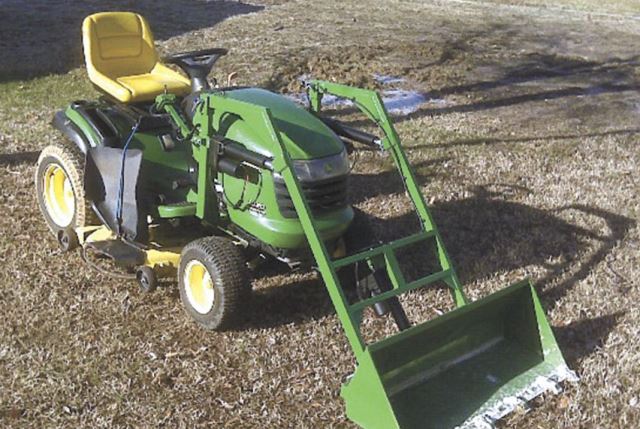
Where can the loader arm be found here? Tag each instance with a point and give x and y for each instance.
(369, 103)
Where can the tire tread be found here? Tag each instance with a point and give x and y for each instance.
(228, 262)
(72, 161)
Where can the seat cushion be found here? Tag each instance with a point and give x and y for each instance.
(146, 86)
(121, 35)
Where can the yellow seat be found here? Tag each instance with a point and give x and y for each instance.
(122, 61)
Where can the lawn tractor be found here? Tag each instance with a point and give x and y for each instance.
(168, 175)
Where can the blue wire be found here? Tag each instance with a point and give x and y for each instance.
(121, 185)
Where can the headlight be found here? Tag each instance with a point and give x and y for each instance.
(322, 168)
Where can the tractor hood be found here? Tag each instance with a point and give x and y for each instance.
(304, 135)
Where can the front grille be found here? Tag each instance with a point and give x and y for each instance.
(322, 196)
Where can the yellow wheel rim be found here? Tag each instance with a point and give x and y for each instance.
(58, 196)
(199, 287)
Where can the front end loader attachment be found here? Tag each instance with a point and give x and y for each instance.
(466, 368)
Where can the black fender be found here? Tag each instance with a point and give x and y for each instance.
(70, 130)
(100, 123)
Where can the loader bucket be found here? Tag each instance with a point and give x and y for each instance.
(467, 368)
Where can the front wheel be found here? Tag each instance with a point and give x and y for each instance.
(213, 281)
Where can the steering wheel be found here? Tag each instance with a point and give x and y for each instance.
(197, 65)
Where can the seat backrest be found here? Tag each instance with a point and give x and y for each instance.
(118, 44)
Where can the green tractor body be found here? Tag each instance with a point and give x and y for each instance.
(261, 209)
(238, 172)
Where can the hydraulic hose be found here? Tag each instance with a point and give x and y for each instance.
(240, 153)
(351, 133)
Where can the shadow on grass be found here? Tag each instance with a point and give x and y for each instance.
(365, 186)
(583, 337)
(529, 139)
(291, 303)
(545, 95)
(485, 234)
(16, 158)
(538, 66)
(523, 98)
(44, 37)
(536, 77)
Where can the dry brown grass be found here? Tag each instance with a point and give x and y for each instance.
(530, 166)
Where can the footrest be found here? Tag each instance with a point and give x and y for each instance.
(180, 209)
(122, 253)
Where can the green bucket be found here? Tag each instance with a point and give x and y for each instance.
(467, 368)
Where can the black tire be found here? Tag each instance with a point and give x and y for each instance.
(360, 234)
(226, 266)
(357, 238)
(147, 279)
(68, 239)
(71, 160)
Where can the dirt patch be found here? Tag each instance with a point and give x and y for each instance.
(358, 65)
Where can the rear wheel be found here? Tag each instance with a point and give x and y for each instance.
(59, 188)
(213, 281)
